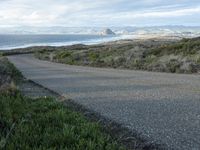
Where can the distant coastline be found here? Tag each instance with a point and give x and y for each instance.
(23, 37)
(14, 41)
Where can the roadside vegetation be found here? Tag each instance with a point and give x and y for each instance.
(46, 124)
(43, 123)
(151, 55)
(9, 75)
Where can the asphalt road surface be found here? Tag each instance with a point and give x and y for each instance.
(164, 108)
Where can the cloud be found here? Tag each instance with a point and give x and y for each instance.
(96, 12)
(167, 14)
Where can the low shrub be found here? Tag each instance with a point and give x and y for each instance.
(142, 55)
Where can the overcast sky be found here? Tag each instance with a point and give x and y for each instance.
(99, 12)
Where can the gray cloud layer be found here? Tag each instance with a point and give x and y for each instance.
(98, 12)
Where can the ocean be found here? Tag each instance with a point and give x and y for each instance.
(12, 41)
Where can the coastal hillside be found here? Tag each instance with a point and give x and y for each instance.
(152, 55)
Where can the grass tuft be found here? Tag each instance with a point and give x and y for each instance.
(46, 124)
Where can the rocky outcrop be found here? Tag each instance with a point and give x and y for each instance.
(107, 32)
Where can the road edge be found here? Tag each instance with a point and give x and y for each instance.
(130, 139)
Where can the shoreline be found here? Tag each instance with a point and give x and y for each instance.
(116, 41)
(99, 40)
(102, 41)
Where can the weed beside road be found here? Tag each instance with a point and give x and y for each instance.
(46, 124)
(9, 75)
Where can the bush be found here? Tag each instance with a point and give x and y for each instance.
(173, 66)
(143, 55)
(1, 54)
(93, 56)
(9, 69)
(62, 55)
(198, 60)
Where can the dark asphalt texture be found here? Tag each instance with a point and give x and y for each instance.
(163, 108)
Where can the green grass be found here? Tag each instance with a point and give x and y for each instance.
(1, 54)
(46, 124)
(184, 47)
(8, 69)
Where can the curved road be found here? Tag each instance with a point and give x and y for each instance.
(162, 107)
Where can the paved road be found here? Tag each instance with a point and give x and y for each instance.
(162, 107)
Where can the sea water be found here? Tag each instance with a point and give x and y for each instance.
(11, 41)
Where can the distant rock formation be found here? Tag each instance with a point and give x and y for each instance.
(107, 32)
